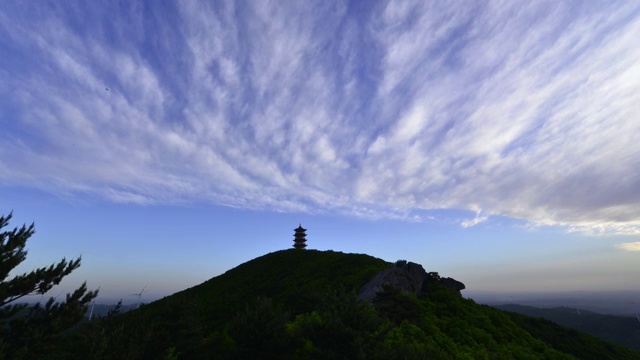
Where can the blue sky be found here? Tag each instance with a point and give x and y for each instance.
(493, 142)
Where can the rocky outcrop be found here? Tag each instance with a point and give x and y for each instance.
(452, 284)
(408, 277)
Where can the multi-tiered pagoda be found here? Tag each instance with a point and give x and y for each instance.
(300, 238)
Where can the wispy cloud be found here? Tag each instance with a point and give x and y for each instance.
(475, 221)
(374, 110)
(631, 246)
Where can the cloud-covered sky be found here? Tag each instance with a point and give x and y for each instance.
(371, 109)
(366, 109)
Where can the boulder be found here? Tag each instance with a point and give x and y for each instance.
(452, 284)
(408, 277)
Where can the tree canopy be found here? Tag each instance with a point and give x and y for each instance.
(27, 331)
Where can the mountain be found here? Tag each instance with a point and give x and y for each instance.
(622, 330)
(305, 304)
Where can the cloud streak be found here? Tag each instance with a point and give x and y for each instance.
(631, 246)
(379, 110)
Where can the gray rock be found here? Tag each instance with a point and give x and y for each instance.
(452, 284)
(408, 277)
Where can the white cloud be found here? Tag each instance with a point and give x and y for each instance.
(630, 246)
(473, 222)
(408, 107)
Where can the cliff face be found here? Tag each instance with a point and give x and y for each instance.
(409, 278)
(452, 284)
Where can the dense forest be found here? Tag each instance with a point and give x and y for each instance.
(622, 330)
(290, 304)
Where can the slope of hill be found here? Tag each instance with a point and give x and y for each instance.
(303, 304)
(621, 330)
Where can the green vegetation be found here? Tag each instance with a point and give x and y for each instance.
(28, 332)
(303, 305)
(621, 330)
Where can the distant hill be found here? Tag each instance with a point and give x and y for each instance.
(304, 304)
(621, 330)
(620, 302)
(103, 309)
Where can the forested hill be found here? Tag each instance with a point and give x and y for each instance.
(303, 304)
(622, 330)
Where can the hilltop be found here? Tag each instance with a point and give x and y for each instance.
(304, 304)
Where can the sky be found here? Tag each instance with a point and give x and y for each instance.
(168, 142)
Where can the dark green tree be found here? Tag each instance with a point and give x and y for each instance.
(30, 331)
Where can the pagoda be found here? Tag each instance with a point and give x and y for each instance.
(300, 238)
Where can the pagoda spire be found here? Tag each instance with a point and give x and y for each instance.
(300, 238)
